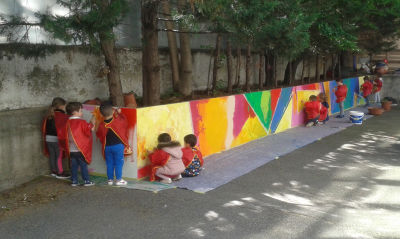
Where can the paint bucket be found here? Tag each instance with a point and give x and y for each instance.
(356, 117)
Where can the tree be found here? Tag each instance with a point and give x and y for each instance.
(150, 58)
(91, 22)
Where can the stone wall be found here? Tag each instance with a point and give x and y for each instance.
(21, 159)
(71, 72)
(391, 87)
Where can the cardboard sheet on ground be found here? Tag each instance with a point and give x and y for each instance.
(226, 166)
(134, 184)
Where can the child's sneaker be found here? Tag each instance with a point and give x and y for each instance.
(177, 178)
(88, 183)
(53, 175)
(110, 182)
(167, 181)
(74, 184)
(309, 124)
(121, 183)
(62, 176)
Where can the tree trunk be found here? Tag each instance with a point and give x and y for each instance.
(229, 63)
(216, 63)
(150, 65)
(173, 49)
(290, 71)
(238, 66)
(317, 74)
(275, 80)
(340, 65)
(110, 56)
(324, 68)
(261, 71)
(309, 70)
(333, 66)
(185, 84)
(302, 71)
(266, 68)
(248, 65)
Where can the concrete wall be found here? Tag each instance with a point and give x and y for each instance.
(71, 72)
(391, 87)
(21, 159)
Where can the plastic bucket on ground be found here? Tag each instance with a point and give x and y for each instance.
(356, 117)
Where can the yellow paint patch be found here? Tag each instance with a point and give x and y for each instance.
(251, 130)
(286, 121)
(213, 125)
(174, 119)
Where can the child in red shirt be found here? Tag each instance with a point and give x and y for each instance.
(312, 109)
(366, 89)
(113, 134)
(341, 93)
(323, 113)
(192, 157)
(54, 141)
(79, 143)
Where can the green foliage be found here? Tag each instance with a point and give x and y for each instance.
(85, 21)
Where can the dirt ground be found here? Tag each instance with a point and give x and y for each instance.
(42, 190)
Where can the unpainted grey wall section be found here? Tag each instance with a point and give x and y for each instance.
(390, 87)
(21, 159)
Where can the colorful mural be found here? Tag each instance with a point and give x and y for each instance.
(220, 123)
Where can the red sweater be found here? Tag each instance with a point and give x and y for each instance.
(312, 109)
(323, 113)
(377, 85)
(82, 135)
(158, 159)
(60, 120)
(119, 125)
(366, 88)
(341, 93)
(189, 154)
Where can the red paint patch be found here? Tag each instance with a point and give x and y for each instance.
(275, 94)
(242, 112)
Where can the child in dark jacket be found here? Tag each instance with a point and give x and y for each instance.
(312, 109)
(341, 93)
(192, 157)
(113, 134)
(54, 141)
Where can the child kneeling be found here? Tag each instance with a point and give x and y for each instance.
(312, 110)
(192, 157)
(166, 160)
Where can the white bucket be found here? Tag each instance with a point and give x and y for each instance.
(356, 117)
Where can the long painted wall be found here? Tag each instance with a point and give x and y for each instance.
(226, 122)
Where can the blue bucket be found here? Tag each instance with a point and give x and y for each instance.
(356, 117)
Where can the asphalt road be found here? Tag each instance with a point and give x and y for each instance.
(346, 185)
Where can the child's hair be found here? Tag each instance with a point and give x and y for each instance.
(106, 109)
(366, 78)
(164, 140)
(322, 97)
(73, 107)
(339, 81)
(313, 98)
(190, 139)
(55, 104)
